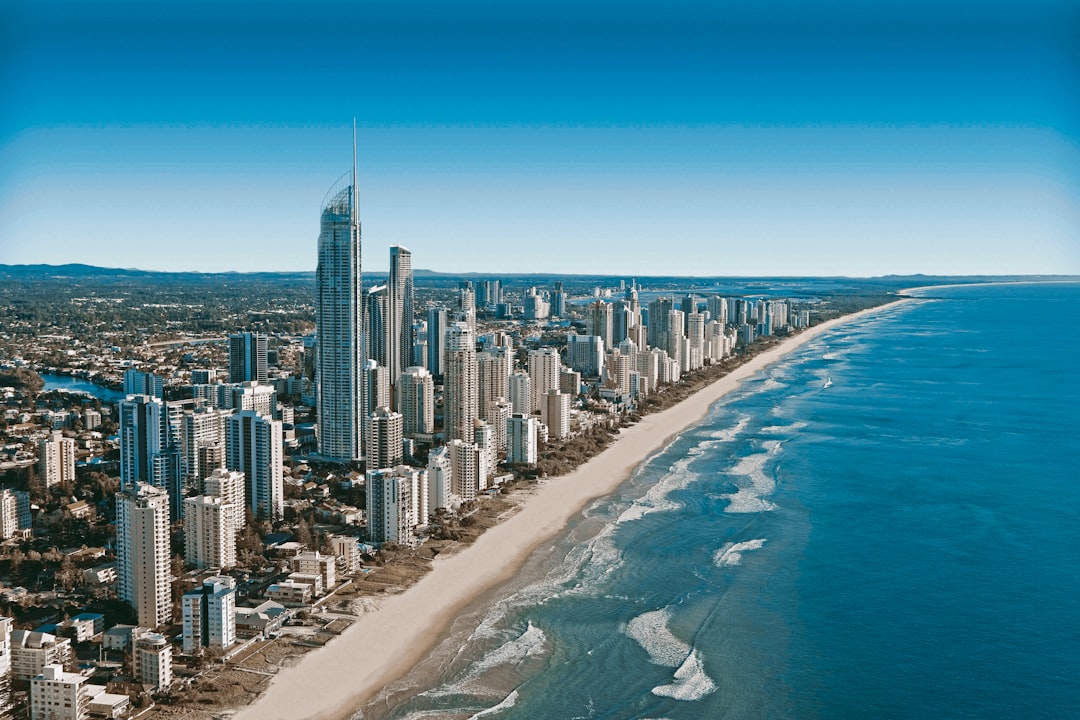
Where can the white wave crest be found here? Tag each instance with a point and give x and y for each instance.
(651, 632)
(731, 553)
(508, 702)
(730, 433)
(656, 499)
(530, 643)
(750, 497)
(691, 682)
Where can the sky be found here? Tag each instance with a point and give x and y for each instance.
(754, 137)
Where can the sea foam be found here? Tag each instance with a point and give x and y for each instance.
(749, 498)
(508, 702)
(731, 553)
(650, 631)
(691, 682)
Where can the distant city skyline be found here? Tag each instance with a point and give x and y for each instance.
(707, 139)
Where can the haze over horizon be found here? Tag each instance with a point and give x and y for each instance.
(707, 139)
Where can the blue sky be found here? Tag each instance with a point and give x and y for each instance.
(720, 138)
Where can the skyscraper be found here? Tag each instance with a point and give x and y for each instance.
(142, 552)
(384, 449)
(339, 322)
(436, 344)
(416, 401)
(544, 368)
(247, 357)
(253, 446)
(400, 306)
(461, 392)
(137, 382)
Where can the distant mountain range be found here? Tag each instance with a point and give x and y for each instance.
(79, 270)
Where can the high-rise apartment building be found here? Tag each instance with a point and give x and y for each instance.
(376, 304)
(253, 446)
(436, 344)
(247, 357)
(230, 486)
(147, 453)
(210, 615)
(400, 301)
(137, 382)
(56, 460)
(385, 449)
(339, 324)
(468, 468)
(209, 532)
(544, 368)
(460, 405)
(374, 393)
(555, 413)
(142, 552)
(397, 503)
(200, 428)
(520, 388)
(416, 401)
(9, 517)
(521, 443)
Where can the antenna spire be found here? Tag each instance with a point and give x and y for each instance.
(355, 193)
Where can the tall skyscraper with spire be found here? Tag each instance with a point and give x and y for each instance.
(339, 322)
(399, 328)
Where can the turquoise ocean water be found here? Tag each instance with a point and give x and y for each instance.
(884, 524)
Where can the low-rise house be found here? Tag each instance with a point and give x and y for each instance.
(264, 618)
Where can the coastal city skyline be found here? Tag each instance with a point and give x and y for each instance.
(784, 139)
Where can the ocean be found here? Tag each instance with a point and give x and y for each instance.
(883, 524)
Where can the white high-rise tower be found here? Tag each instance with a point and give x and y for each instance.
(142, 552)
(339, 322)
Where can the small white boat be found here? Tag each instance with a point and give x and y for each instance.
(828, 383)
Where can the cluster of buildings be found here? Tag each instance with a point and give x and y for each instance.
(383, 367)
(437, 406)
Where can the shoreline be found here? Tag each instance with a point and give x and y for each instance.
(331, 683)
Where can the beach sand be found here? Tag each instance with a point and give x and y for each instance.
(332, 682)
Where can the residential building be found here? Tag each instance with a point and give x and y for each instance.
(400, 301)
(315, 563)
(468, 468)
(520, 388)
(436, 340)
(210, 615)
(143, 383)
(31, 651)
(521, 439)
(254, 447)
(544, 368)
(397, 503)
(460, 405)
(555, 413)
(58, 695)
(209, 532)
(416, 401)
(385, 448)
(142, 552)
(152, 660)
(247, 357)
(9, 515)
(338, 318)
(56, 460)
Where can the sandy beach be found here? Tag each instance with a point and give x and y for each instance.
(383, 645)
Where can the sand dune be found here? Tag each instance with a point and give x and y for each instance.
(381, 646)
